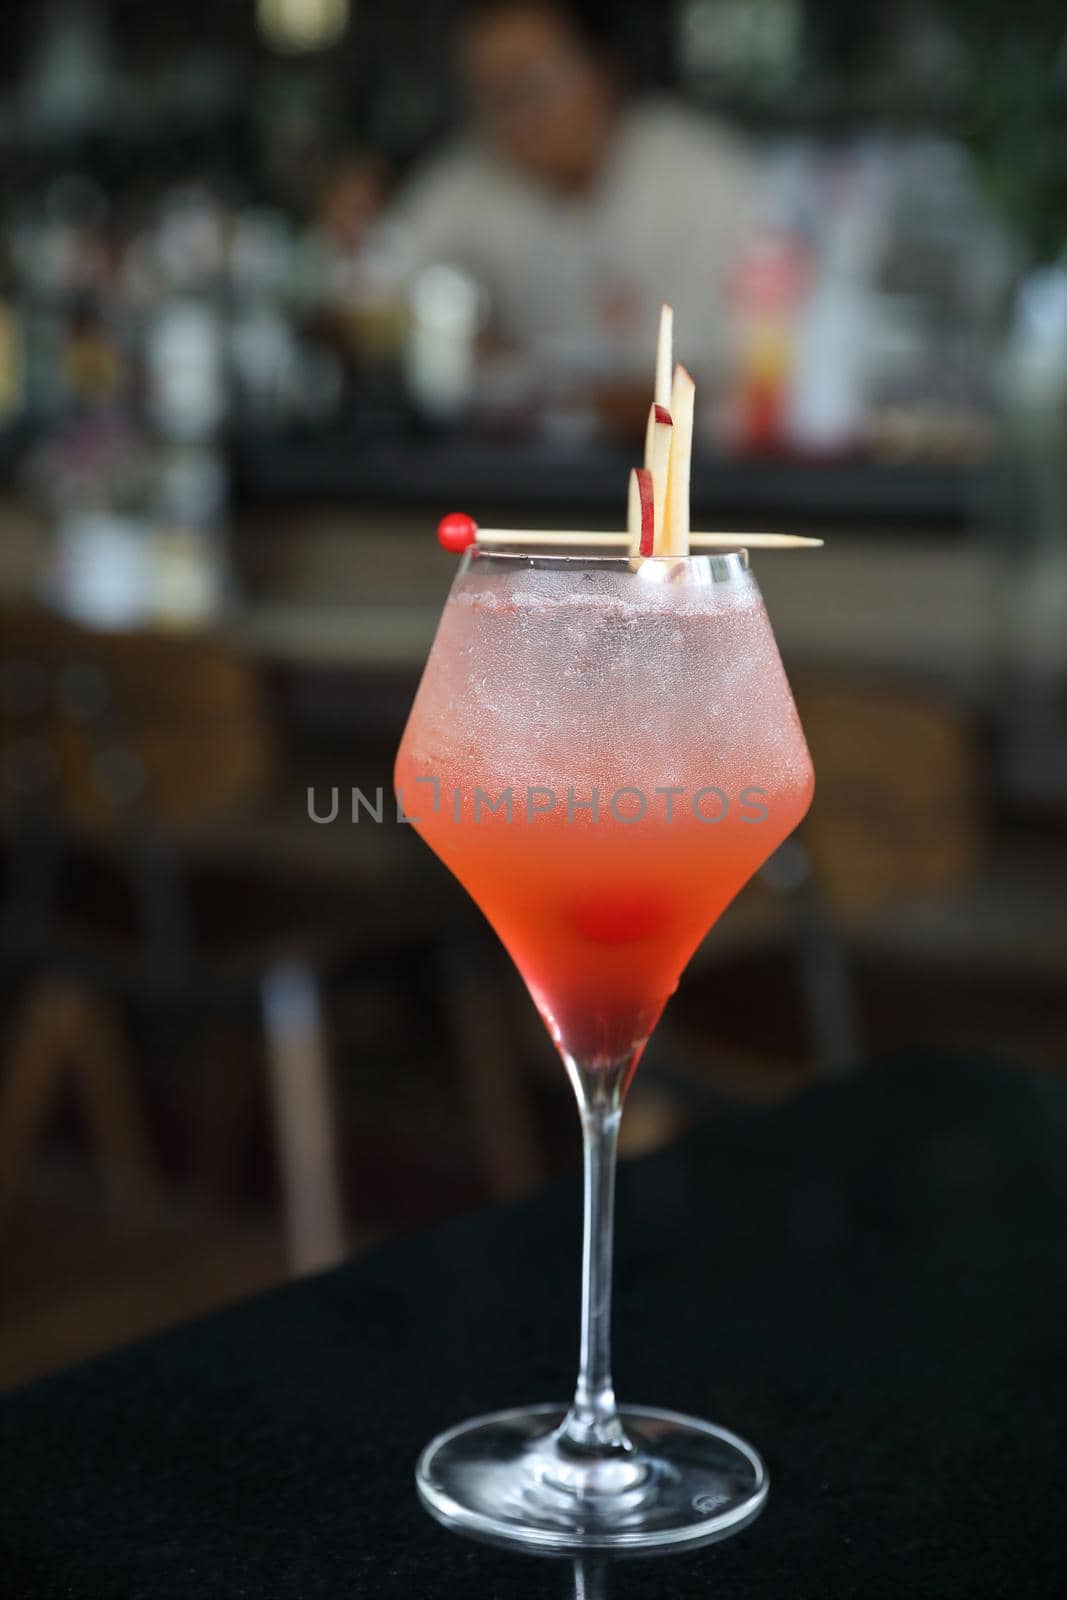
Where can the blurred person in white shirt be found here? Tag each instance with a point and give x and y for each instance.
(579, 211)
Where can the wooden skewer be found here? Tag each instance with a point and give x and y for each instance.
(458, 532)
(620, 541)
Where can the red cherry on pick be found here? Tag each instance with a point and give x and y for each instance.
(457, 532)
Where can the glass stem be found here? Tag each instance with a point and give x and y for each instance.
(592, 1426)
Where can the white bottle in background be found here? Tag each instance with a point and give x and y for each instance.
(446, 314)
(185, 363)
(828, 401)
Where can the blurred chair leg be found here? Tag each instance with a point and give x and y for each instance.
(303, 1118)
(34, 1066)
(101, 1062)
(824, 977)
(64, 1025)
(491, 1075)
(36, 861)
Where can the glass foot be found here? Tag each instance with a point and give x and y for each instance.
(505, 1477)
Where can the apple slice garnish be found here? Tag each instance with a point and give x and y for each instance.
(657, 460)
(675, 536)
(657, 507)
(640, 513)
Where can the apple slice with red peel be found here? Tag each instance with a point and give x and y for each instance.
(658, 417)
(675, 536)
(640, 513)
(657, 460)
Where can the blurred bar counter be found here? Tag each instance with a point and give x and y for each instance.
(338, 567)
(334, 563)
(512, 473)
(365, 591)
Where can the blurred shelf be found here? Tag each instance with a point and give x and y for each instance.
(369, 638)
(473, 472)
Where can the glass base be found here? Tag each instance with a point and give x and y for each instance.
(505, 1477)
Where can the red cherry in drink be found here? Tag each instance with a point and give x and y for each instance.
(622, 916)
(457, 532)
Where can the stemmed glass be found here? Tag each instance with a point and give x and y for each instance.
(603, 752)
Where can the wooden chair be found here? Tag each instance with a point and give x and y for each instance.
(902, 786)
(900, 816)
(130, 743)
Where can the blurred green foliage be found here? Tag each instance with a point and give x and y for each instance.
(1014, 110)
(1005, 93)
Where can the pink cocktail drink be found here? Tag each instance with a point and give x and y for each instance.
(604, 765)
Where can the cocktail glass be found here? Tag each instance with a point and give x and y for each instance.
(603, 752)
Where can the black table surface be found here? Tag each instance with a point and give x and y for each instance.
(869, 1282)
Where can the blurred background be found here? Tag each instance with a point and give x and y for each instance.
(282, 281)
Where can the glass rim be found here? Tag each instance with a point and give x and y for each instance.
(706, 566)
